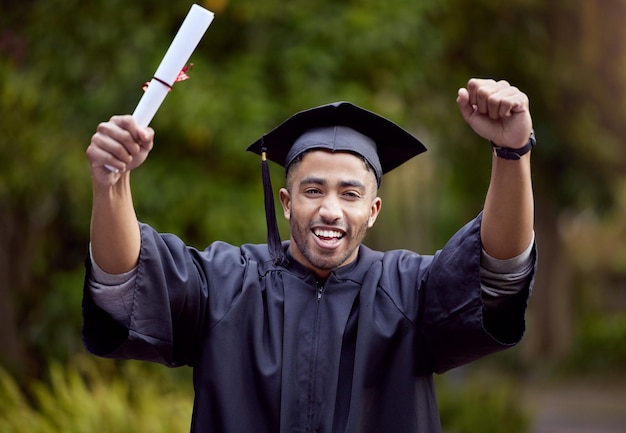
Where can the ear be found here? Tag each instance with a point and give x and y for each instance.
(285, 201)
(375, 208)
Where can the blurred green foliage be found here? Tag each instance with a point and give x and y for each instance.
(599, 348)
(481, 404)
(84, 396)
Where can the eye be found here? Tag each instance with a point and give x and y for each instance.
(353, 195)
(312, 191)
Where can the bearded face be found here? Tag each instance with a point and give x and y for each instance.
(330, 202)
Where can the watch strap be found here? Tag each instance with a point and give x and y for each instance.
(514, 154)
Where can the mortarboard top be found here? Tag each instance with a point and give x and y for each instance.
(340, 126)
(393, 144)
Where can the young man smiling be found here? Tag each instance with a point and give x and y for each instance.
(319, 333)
(330, 202)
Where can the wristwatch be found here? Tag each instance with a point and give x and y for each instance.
(508, 153)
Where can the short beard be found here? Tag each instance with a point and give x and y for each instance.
(320, 261)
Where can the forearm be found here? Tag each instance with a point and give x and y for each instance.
(115, 238)
(508, 217)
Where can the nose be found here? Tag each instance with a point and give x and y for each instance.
(330, 209)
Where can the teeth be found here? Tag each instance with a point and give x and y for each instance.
(328, 234)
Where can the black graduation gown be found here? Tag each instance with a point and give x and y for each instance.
(274, 350)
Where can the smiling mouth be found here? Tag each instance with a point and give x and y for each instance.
(328, 234)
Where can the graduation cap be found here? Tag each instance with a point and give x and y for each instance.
(338, 127)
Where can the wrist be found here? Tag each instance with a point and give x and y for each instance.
(113, 185)
(514, 154)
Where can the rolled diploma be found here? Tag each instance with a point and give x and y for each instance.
(185, 42)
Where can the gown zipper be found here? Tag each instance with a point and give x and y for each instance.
(320, 289)
(320, 286)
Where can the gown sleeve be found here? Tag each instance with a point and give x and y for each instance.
(172, 305)
(456, 325)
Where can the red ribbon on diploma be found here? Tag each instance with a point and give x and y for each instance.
(182, 76)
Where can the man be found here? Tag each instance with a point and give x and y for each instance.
(319, 333)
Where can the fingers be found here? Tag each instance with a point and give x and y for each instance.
(496, 99)
(496, 111)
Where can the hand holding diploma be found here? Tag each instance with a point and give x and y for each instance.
(124, 142)
(118, 146)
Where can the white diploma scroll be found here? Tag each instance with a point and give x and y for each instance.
(185, 42)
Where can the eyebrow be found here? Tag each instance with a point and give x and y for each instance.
(343, 184)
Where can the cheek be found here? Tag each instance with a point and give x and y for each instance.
(361, 218)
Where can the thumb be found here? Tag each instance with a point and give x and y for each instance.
(142, 134)
(146, 137)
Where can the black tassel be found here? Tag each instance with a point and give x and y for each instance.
(273, 235)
